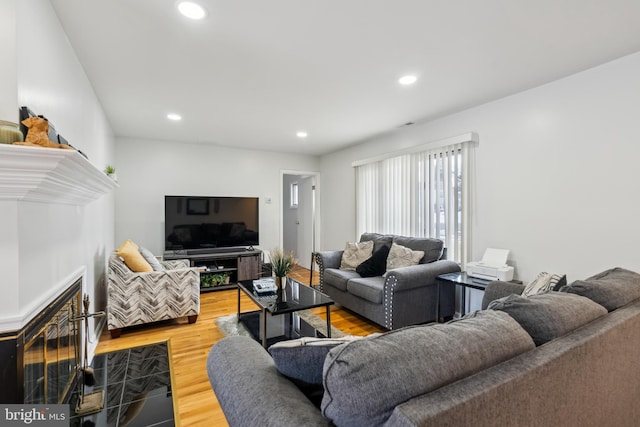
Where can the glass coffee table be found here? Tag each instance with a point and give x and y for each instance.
(278, 317)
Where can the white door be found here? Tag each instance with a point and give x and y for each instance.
(306, 207)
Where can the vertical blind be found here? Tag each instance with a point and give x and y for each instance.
(419, 194)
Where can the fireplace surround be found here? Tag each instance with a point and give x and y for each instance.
(40, 361)
(40, 355)
(39, 352)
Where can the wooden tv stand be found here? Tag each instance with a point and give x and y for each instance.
(239, 264)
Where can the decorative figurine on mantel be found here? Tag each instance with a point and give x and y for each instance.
(38, 134)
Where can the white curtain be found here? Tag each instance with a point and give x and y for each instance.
(418, 194)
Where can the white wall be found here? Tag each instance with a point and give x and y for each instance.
(9, 265)
(56, 242)
(555, 180)
(8, 70)
(149, 170)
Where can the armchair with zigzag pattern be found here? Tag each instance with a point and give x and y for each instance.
(140, 298)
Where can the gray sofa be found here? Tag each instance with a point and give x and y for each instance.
(482, 370)
(404, 296)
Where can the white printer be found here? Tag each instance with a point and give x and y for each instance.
(492, 267)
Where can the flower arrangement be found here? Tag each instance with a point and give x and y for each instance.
(281, 263)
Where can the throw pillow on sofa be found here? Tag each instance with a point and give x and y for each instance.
(549, 315)
(355, 253)
(612, 288)
(401, 256)
(545, 282)
(376, 265)
(131, 256)
(302, 359)
(366, 379)
(151, 259)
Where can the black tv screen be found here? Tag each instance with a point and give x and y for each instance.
(210, 222)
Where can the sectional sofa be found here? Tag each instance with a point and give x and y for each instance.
(564, 358)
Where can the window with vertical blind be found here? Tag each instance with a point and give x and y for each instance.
(422, 192)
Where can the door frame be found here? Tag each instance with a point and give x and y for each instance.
(315, 210)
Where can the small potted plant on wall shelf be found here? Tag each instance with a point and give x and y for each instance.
(111, 172)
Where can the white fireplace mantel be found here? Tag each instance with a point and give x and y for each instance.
(50, 175)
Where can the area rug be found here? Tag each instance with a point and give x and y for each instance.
(230, 326)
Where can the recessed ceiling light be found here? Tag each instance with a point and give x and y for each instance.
(407, 80)
(191, 10)
(175, 117)
(302, 134)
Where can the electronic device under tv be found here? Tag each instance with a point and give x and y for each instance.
(201, 224)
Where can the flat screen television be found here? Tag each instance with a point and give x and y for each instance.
(201, 223)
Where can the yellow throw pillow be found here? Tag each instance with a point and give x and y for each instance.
(129, 252)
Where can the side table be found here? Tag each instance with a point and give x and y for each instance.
(460, 279)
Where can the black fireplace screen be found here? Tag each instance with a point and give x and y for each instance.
(51, 354)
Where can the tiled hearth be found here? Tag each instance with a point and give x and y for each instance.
(137, 389)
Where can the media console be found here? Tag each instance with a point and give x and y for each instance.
(221, 269)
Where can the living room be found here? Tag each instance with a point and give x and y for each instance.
(553, 168)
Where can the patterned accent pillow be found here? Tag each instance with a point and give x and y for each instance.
(400, 256)
(355, 254)
(545, 282)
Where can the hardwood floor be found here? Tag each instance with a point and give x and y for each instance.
(190, 344)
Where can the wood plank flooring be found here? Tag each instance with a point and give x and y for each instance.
(190, 344)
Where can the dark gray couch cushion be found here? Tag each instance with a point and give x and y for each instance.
(379, 240)
(612, 288)
(498, 289)
(365, 380)
(369, 288)
(549, 315)
(338, 278)
(302, 359)
(432, 248)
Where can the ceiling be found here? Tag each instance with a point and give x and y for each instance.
(254, 72)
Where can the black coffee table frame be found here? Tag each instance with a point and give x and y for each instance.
(295, 297)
